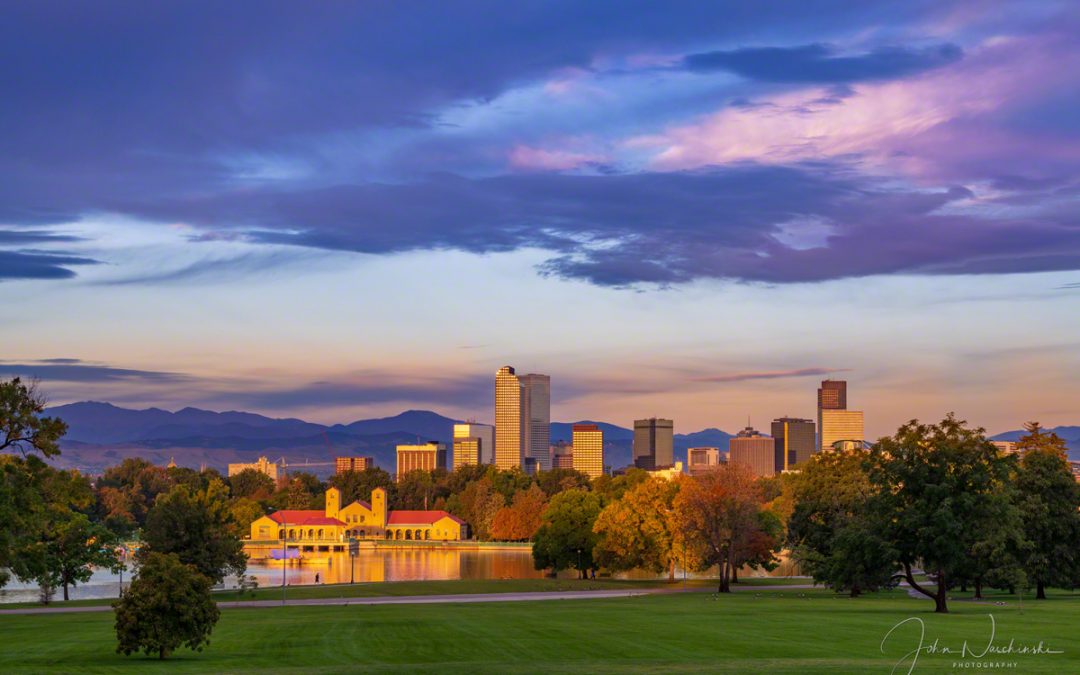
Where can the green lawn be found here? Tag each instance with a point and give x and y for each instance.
(397, 588)
(776, 631)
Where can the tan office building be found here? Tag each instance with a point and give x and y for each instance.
(702, 460)
(473, 444)
(758, 452)
(427, 457)
(346, 464)
(262, 466)
(588, 449)
(840, 425)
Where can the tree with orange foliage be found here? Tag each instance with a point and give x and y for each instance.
(640, 529)
(520, 520)
(721, 514)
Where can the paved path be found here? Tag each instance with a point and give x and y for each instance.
(426, 599)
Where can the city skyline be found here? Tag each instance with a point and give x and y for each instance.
(898, 209)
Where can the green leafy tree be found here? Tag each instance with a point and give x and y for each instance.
(243, 512)
(611, 488)
(831, 535)
(22, 426)
(128, 490)
(251, 483)
(415, 491)
(566, 538)
(301, 490)
(357, 485)
(477, 505)
(198, 527)
(167, 606)
(73, 546)
(1049, 502)
(558, 480)
(641, 530)
(935, 488)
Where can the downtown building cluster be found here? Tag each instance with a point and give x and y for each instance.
(521, 437)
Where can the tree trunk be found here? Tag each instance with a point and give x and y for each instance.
(855, 592)
(942, 588)
(978, 588)
(734, 575)
(65, 591)
(938, 597)
(963, 585)
(671, 570)
(725, 586)
(161, 653)
(1040, 591)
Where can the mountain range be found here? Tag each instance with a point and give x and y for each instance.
(101, 435)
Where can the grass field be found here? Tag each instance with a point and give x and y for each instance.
(449, 587)
(774, 631)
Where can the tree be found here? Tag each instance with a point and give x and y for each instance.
(357, 485)
(720, 514)
(198, 527)
(128, 490)
(477, 505)
(301, 490)
(936, 487)
(613, 487)
(557, 480)
(520, 520)
(243, 512)
(829, 530)
(72, 548)
(415, 491)
(566, 538)
(22, 427)
(251, 483)
(641, 530)
(167, 606)
(1048, 499)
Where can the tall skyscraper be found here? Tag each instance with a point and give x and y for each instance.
(758, 452)
(509, 431)
(835, 422)
(536, 419)
(473, 444)
(426, 457)
(654, 443)
(795, 441)
(588, 449)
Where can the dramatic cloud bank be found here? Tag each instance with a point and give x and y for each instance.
(639, 144)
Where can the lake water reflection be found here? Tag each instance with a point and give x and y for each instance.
(381, 564)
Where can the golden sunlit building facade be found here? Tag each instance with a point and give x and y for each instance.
(509, 431)
(588, 449)
(263, 465)
(424, 457)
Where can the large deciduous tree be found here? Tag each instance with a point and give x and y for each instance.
(566, 538)
(167, 606)
(23, 428)
(722, 516)
(938, 489)
(251, 483)
(357, 485)
(520, 520)
(830, 532)
(197, 527)
(1049, 502)
(641, 529)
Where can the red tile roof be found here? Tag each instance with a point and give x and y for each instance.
(303, 518)
(420, 517)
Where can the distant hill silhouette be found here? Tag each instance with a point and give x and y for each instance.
(101, 434)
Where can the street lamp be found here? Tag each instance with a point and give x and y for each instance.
(284, 556)
(581, 572)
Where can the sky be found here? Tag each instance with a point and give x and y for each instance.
(694, 210)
